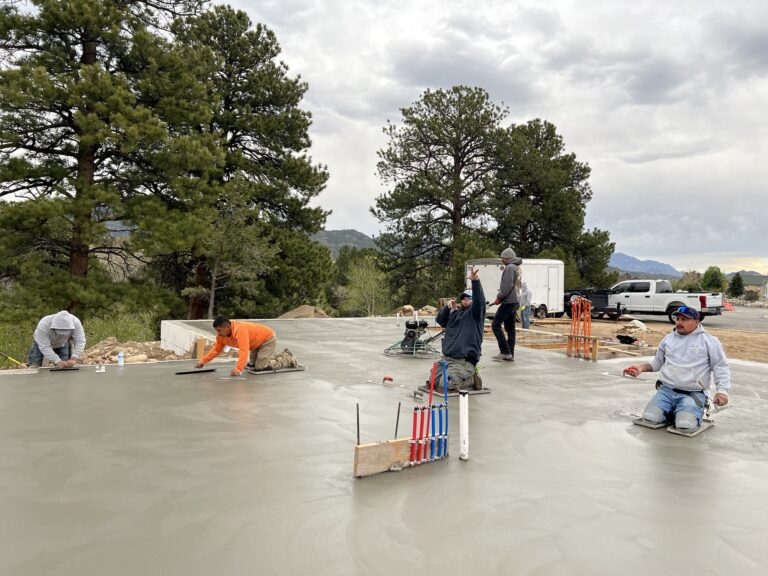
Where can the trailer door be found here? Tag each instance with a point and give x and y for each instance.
(554, 297)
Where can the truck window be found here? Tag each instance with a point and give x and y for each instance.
(641, 287)
(621, 288)
(663, 287)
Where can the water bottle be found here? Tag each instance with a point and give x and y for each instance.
(120, 358)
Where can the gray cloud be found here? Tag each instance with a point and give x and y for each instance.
(664, 101)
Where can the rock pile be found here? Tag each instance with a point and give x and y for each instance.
(105, 352)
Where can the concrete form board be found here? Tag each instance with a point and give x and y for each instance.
(139, 471)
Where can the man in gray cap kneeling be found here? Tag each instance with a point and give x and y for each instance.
(52, 341)
(508, 301)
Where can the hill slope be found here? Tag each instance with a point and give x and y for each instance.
(648, 267)
(336, 239)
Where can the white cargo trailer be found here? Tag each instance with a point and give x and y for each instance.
(545, 280)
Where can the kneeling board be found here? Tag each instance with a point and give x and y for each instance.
(439, 394)
(705, 425)
(298, 368)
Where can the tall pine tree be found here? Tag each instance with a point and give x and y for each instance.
(81, 99)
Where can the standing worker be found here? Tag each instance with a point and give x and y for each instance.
(507, 299)
(255, 342)
(525, 305)
(686, 360)
(52, 340)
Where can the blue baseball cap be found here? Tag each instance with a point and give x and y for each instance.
(688, 312)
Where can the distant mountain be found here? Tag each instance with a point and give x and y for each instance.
(646, 267)
(336, 239)
(743, 273)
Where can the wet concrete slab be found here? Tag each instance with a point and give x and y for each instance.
(140, 471)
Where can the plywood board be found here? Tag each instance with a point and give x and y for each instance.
(381, 456)
(298, 368)
(439, 394)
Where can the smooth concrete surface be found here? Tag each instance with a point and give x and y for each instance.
(138, 471)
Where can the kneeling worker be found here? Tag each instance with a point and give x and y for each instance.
(463, 339)
(52, 341)
(686, 360)
(256, 343)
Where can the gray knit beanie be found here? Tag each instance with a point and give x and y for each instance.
(508, 253)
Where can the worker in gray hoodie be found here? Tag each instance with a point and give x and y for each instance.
(686, 360)
(53, 339)
(508, 301)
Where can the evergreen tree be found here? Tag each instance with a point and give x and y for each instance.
(79, 94)
(263, 134)
(441, 162)
(736, 286)
(460, 179)
(541, 200)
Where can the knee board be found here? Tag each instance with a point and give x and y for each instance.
(298, 368)
(439, 394)
(705, 425)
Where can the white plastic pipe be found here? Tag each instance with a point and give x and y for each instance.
(463, 425)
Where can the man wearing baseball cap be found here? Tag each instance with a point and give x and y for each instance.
(687, 359)
(463, 321)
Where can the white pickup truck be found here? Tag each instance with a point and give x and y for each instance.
(657, 297)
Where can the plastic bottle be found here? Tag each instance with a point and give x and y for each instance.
(120, 358)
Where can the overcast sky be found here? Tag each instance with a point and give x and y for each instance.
(665, 100)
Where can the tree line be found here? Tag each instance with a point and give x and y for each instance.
(156, 155)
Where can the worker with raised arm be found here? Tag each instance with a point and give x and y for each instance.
(463, 320)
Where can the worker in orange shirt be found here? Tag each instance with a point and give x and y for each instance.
(256, 343)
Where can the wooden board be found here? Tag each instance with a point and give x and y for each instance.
(299, 368)
(197, 371)
(69, 369)
(646, 424)
(439, 395)
(381, 456)
(705, 425)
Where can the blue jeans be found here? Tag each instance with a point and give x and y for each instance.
(505, 314)
(35, 356)
(671, 403)
(525, 316)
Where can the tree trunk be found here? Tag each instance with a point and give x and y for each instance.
(82, 207)
(212, 296)
(197, 301)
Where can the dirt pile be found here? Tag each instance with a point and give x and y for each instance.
(304, 311)
(105, 352)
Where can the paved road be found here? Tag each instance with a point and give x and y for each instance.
(751, 319)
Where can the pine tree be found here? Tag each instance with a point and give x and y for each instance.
(81, 119)
(736, 286)
(263, 135)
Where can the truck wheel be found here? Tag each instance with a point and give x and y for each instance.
(670, 311)
(614, 317)
(595, 314)
(672, 307)
(541, 311)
